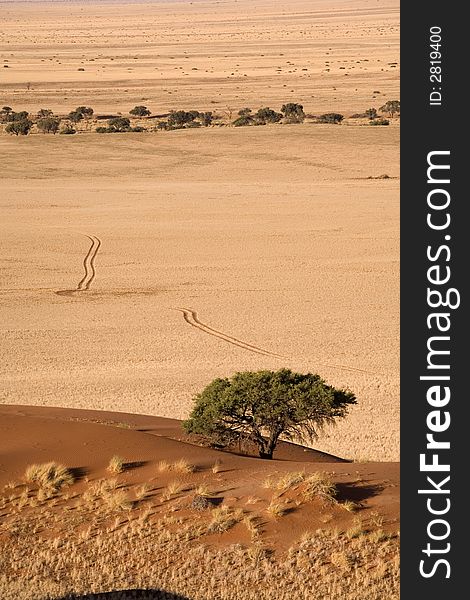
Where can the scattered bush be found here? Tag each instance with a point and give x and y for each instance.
(293, 113)
(140, 111)
(379, 122)
(19, 127)
(67, 130)
(267, 115)
(43, 113)
(181, 117)
(48, 125)
(224, 518)
(333, 118)
(75, 116)
(371, 113)
(244, 112)
(243, 121)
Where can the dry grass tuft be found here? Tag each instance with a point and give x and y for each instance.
(290, 480)
(276, 509)
(118, 500)
(320, 485)
(116, 465)
(223, 518)
(183, 466)
(49, 475)
(172, 489)
(216, 467)
(350, 506)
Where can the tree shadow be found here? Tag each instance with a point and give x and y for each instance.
(357, 492)
(128, 595)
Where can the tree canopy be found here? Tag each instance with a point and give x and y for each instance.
(262, 406)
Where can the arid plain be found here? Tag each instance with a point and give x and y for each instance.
(275, 238)
(137, 267)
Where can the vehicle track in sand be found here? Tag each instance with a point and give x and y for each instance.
(88, 266)
(191, 317)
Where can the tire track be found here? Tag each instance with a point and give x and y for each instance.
(88, 266)
(191, 317)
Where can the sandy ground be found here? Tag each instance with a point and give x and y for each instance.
(85, 441)
(141, 528)
(272, 239)
(219, 54)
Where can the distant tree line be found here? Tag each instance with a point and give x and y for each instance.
(21, 123)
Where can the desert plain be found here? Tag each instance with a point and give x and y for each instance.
(135, 268)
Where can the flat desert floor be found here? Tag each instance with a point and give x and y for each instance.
(135, 268)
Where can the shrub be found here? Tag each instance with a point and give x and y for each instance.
(140, 111)
(267, 115)
(334, 118)
(243, 121)
(48, 125)
(287, 404)
(244, 112)
(118, 125)
(75, 116)
(44, 113)
(11, 116)
(371, 113)
(67, 130)
(293, 113)
(85, 111)
(181, 117)
(102, 129)
(21, 127)
(380, 122)
(206, 118)
(138, 129)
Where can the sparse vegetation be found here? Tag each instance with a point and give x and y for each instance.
(224, 518)
(140, 111)
(319, 485)
(116, 465)
(49, 475)
(379, 122)
(48, 125)
(288, 404)
(19, 127)
(293, 113)
(330, 118)
(391, 107)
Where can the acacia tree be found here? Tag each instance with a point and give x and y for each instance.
(19, 127)
(391, 107)
(48, 125)
(262, 406)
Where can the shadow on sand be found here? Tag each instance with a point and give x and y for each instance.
(128, 595)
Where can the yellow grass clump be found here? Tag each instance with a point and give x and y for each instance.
(49, 475)
(116, 465)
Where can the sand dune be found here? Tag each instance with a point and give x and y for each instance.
(79, 530)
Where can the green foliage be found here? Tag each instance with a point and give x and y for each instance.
(379, 122)
(262, 406)
(140, 111)
(391, 107)
(267, 115)
(118, 125)
(243, 121)
(371, 113)
(85, 111)
(19, 127)
(80, 113)
(75, 116)
(48, 125)
(181, 117)
(293, 113)
(334, 118)
(44, 112)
